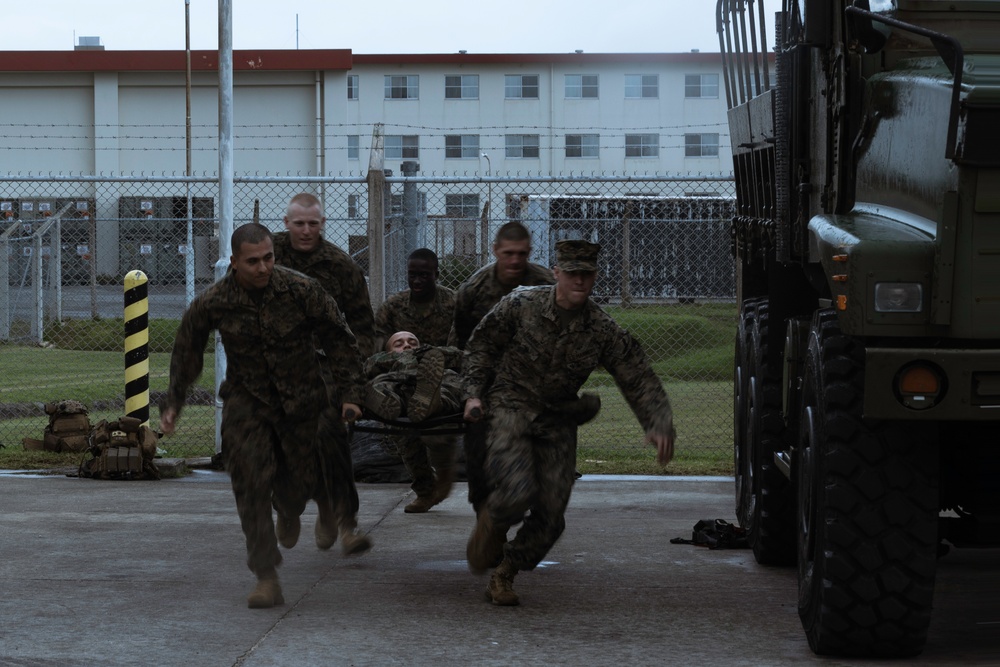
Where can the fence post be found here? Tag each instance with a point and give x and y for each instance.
(137, 346)
(5, 314)
(376, 219)
(626, 291)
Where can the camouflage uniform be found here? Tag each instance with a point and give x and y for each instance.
(475, 297)
(281, 435)
(342, 279)
(482, 291)
(429, 322)
(524, 359)
(421, 454)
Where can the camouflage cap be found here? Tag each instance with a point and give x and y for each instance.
(576, 255)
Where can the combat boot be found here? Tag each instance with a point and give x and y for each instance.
(500, 590)
(326, 526)
(287, 528)
(420, 504)
(353, 542)
(383, 403)
(267, 593)
(485, 547)
(426, 398)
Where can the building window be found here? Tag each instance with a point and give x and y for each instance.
(402, 146)
(701, 145)
(701, 85)
(352, 206)
(461, 87)
(642, 145)
(583, 145)
(403, 87)
(353, 147)
(352, 86)
(640, 86)
(521, 86)
(461, 206)
(461, 145)
(521, 145)
(581, 86)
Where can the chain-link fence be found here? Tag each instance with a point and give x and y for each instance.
(66, 244)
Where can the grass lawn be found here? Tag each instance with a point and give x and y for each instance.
(689, 345)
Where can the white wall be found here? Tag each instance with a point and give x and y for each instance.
(50, 120)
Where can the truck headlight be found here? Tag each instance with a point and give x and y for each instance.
(899, 297)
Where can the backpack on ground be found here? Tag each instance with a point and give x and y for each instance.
(67, 431)
(122, 449)
(716, 534)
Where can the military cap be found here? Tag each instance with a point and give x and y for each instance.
(576, 255)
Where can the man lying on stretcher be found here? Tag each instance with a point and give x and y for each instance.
(413, 380)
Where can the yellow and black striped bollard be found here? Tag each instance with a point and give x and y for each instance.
(137, 346)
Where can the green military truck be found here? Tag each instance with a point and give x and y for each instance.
(866, 153)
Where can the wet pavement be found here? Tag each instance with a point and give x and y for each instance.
(152, 573)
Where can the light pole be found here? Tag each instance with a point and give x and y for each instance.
(484, 224)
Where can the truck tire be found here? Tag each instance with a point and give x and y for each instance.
(766, 505)
(867, 511)
(741, 382)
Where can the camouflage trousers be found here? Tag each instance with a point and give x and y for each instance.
(530, 470)
(278, 462)
(422, 454)
(403, 383)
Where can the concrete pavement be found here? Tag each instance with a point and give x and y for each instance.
(152, 573)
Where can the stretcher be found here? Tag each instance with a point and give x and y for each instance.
(454, 424)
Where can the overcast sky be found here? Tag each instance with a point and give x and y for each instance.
(390, 26)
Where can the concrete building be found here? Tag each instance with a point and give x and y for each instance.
(312, 112)
(92, 112)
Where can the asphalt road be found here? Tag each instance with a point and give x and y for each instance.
(152, 573)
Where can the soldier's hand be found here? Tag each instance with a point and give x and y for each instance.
(350, 412)
(168, 421)
(473, 410)
(664, 443)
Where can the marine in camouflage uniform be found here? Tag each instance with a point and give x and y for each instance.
(430, 321)
(483, 290)
(475, 297)
(280, 431)
(303, 248)
(397, 374)
(426, 310)
(529, 355)
(342, 279)
(420, 381)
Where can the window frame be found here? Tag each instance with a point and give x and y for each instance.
(462, 87)
(467, 208)
(409, 147)
(521, 145)
(582, 145)
(700, 87)
(465, 150)
(410, 89)
(689, 145)
(642, 87)
(354, 151)
(581, 88)
(353, 86)
(648, 145)
(509, 87)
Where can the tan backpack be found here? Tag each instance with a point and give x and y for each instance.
(68, 428)
(122, 449)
